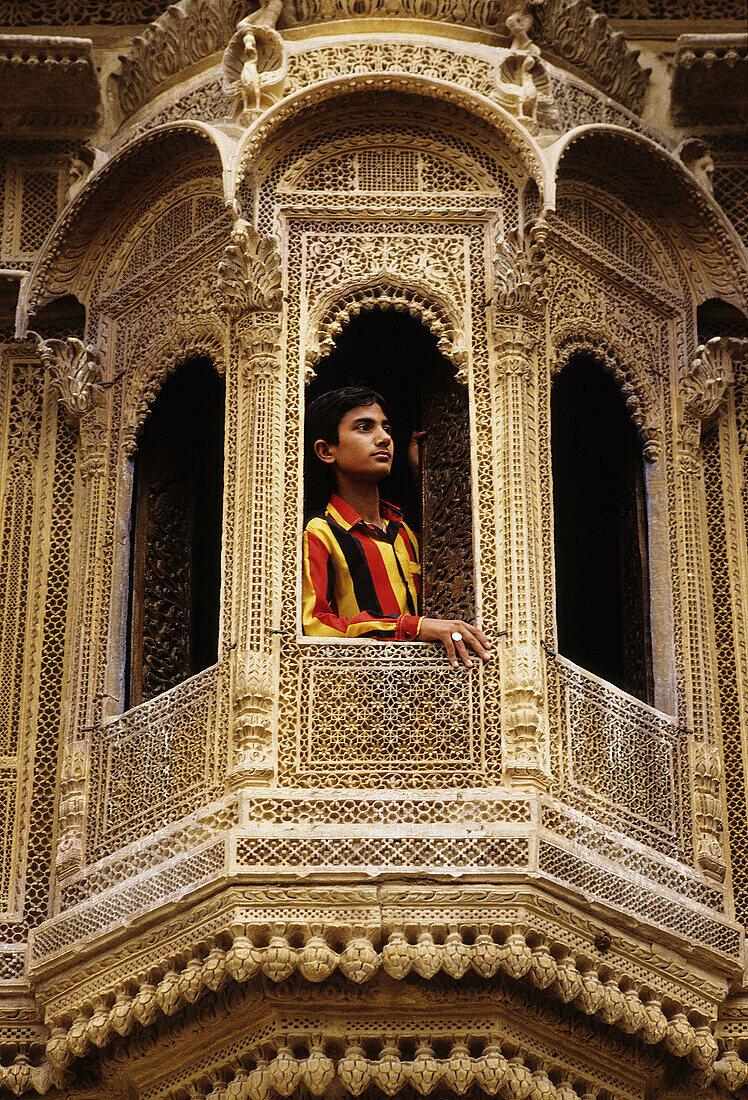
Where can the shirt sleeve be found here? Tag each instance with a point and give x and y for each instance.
(319, 615)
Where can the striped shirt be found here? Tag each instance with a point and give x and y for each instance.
(360, 581)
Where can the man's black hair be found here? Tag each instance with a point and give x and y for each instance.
(325, 413)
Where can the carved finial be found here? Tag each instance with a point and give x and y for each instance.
(520, 269)
(255, 64)
(249, 275)
(708, 377)
(75, 372)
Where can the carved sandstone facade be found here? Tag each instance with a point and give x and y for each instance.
(330, 869)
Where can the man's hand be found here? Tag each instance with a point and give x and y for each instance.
(446, 631)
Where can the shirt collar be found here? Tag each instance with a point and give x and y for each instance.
(348, 517)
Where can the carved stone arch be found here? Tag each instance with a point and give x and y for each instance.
(70, 258)
(632, 241)
(577, 338)
(262, 134)
(387, 291)
(712, 257)
(157, 365)
(330, 148)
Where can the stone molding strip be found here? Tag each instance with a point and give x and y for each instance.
(522, 955)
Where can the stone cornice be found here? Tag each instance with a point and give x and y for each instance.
(519, 952)
(48, 85)
(192, 30)
(710, 78)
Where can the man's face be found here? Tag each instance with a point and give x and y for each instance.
(364, 448)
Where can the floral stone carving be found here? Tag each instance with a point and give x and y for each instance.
(75, 372)
(249, 275)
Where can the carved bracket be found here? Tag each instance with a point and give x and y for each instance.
(252, 760)
(520, 267)
(249, 275)
(522, 716)
(75, 372)
(255, 64)
(708, 377)
(705, 386)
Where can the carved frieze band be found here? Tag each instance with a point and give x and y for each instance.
(522, 956)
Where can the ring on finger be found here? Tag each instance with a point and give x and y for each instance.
(456, 636)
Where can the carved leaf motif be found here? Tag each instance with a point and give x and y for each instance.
(75, 372)
(520, 269)
(249, 275)
(708, 377)
(580, 35)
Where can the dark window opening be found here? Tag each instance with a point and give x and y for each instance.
(396, 355)
(717, 318)
(175, 567)
(600, 524)
(64, 316)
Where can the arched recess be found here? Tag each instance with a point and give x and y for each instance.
(652, 181)
(652, 625)
(88, 227)
(372, 93)
(388, 292)
(600, 528)
(175, 533)
(397, 355)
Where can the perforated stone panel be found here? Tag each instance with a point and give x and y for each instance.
(35, 500)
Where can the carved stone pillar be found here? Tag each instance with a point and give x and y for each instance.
(519, 279)
(523, 722)
(702, 393)
(75, 371)
(250, 279)
(256, 656)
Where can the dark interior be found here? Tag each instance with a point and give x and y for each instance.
(176, 533)
(602, 583)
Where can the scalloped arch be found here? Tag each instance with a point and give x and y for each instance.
(386, 291)
(711, 253)
(262, 133)
(142, 388)
(577, 338)
(66, 261)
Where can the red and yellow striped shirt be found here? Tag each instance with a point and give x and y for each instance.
(360, 581)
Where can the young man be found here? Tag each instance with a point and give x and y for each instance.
(361, 563)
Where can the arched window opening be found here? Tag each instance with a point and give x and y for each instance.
(396, 355)
(717, 318)
(600, 524)
(175, 566)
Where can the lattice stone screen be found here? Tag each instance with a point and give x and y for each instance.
(159, 761)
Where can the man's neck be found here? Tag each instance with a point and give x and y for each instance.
(363, 498)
